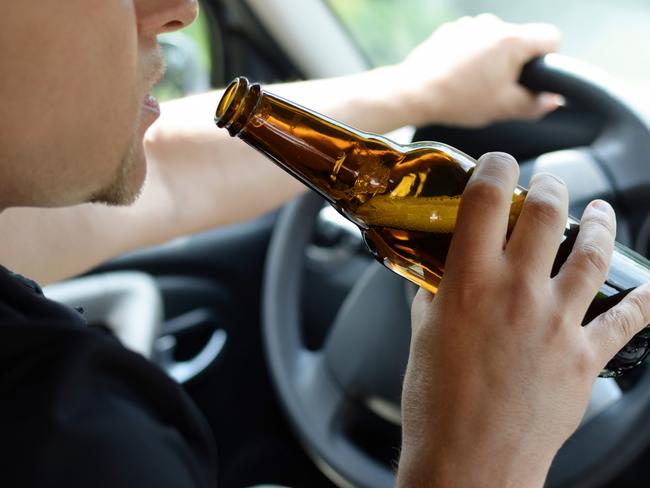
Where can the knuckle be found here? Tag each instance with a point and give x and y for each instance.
(626, 325)
(491, 182)
(592, 258)
(508, 40)
(602, 223)
(524, 300)
(621, 323)
(460, 297)
(584, 362)
(487, 16)
(558, 320)
(639, 300)
(545, 208)
(488, 190)
(523, 291)
(556, 325)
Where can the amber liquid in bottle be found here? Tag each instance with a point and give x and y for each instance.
(404, 198)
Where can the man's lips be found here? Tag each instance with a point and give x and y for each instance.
(150, 103)
(153, 73)
(149, 112)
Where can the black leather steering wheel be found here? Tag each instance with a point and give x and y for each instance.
(361, 364)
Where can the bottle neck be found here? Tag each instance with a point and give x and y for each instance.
(322, 153)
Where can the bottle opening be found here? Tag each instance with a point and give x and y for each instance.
(227, 105)
(235, 105)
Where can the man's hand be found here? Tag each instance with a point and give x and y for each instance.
(501, 370)
(466, 73)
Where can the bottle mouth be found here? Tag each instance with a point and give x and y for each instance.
(231, 110)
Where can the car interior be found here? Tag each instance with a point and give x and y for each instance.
(286, 333)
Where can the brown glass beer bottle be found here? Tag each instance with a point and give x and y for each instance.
(404, 198)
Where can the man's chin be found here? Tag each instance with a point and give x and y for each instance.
(128, 181)
(116, 197)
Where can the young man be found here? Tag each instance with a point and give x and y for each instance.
(76, 409)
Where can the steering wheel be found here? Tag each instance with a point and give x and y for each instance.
(358, 371)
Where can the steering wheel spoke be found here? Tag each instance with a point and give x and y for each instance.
(368, 344)
(323, 402)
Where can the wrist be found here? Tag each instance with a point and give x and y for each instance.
(467, 468)
(380, 95)
(416, 101)
(394, 99)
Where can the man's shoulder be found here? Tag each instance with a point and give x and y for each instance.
(22, 298)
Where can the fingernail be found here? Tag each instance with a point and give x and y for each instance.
(559, 100)
(544, 174)
(602, 206)
(497, 156)
(551, 101)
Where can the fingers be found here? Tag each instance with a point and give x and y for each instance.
(537, 39)
(483, 215)
(527, 40)
(538, 233)
(586, 267)
(521, 103)
(612, 330)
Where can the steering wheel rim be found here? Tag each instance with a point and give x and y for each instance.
(622, 147)
(315, 390)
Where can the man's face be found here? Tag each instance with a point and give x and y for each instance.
(74, 80)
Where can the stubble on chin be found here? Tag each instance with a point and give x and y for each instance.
(121, 191)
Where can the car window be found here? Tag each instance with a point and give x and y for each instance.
(611, 34)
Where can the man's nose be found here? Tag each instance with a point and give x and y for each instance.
(159, 16)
